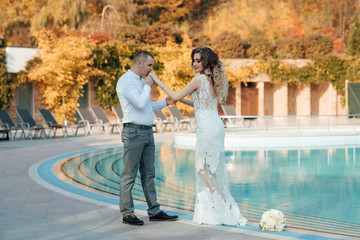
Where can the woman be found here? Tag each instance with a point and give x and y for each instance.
(214, 203)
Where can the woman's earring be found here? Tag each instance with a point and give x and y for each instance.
(207, 71)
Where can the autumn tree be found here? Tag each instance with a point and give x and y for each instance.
(177, 71)
(354, 36)
(279, 19)
(229, 45)
(168, 11)
(269, 19)
(322, 14)
(64, 14)
(15, 20)
(126, 9)
(63, 71)
(108, 16)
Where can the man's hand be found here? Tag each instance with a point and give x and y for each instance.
(170, 101)
(149, 81)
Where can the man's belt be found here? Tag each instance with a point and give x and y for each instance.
(133, 125)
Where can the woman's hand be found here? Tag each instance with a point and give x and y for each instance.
(170, 101)
(155, 78)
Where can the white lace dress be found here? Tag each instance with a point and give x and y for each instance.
(214, 204)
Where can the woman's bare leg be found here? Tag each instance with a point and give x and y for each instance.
(210, 180)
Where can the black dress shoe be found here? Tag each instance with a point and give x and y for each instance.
(162, 216)
(132, 220)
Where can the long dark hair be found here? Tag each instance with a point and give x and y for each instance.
(214, 71)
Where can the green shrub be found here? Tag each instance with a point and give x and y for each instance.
(2, 42)
(318, 45)
(289, 48)
(332, 68)
(6, 86)
(130, 34)
(111, 64)
(229, 45)
(258, 47)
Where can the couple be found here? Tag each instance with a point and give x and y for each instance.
(214, 204)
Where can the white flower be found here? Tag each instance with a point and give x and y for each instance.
(272, 220)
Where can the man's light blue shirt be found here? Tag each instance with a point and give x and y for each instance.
(134, 96)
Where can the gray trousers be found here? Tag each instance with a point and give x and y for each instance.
(139, 154)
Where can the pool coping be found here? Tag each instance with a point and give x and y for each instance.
(250, 141)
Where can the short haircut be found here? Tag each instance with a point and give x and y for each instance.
(142, 55)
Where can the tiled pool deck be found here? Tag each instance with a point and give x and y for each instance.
(28, 210)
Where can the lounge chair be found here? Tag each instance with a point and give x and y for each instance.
(99, 113)
(161, 121)
(231, 119)
(8, 124)
(53, 124)
(89, 121)
(118, 113)
(4, 134)
(180, 119)
(31, 125)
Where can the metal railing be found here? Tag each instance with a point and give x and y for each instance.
(295, 123)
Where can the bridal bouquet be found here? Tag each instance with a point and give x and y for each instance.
(273, 221)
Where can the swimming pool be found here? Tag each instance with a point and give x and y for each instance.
(316, 188)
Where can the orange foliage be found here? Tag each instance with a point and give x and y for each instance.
(100, 38)
(56, 31)
(63, 71)
(20, 36)
(338, 45)
(76, 33)
(329, 31)
(298, 29)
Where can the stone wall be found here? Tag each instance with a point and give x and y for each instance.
(281, 99)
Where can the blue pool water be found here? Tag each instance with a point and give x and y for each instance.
(315, 188)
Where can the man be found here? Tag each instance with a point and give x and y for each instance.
(137, 136)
